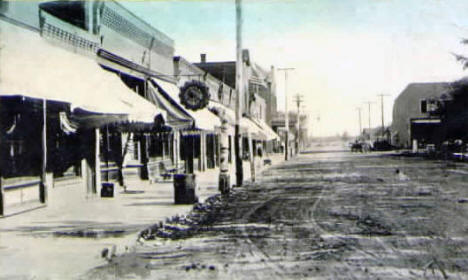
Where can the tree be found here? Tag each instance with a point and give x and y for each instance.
(461, 58)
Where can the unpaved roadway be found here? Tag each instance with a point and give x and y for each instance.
(321, 215)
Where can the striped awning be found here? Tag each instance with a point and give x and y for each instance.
(33, 67)
(203, 119)
(267, 131)
(176, 115)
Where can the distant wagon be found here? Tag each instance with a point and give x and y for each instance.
(360, 147)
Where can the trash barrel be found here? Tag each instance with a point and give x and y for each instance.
(107, 190)
(184, 189)
(224, 184)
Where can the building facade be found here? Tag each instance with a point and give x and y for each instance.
(412, 119)
(259, 100)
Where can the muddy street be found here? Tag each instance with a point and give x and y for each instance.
(321, 215)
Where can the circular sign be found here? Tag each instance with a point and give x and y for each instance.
(194, 95)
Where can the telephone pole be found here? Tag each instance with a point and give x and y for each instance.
(286, 113)
(360, 123)
(369, 104)
(382, 109)
(298, 99)
(239, 95)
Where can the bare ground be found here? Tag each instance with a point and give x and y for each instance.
(322, 216)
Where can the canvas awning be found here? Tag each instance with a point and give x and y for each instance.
(223, 112)
(259, 129)
(176, 115)
(203, 118)
(33, 67)
(247, 125)
(267, 131)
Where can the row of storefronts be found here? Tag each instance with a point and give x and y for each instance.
(71, 108)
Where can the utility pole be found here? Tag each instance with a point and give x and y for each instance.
(286, 113)
(382, 109)
(360, 123)
(369, 104)
(298, 99)
(239, 93)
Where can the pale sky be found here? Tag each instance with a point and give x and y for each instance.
(345, 51)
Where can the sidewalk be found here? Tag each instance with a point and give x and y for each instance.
(65, 239)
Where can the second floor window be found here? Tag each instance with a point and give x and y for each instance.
(73, 12)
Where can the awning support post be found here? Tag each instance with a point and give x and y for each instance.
(204, 151)
(251, 157)
(97, 161)
(43, 183)
(144, 157)
(218, 149)
(85, 175)
(176, 143)
(229, 148)
(224, 174)
(2, 201)
(189, 156)
(163, 146)
(200, 152)
(106, 152)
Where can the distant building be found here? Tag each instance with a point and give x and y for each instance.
(260, 98)
(278, 125)
(413, 114)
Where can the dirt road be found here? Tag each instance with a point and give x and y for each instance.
(327, 215)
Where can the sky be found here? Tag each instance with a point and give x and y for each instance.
(344, 53)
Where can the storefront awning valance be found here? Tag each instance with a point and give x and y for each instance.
(267, 131)
(203, 119)
(176, 115)
(259, 129)
(249, 126)
(223, 112)
(31, 66)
